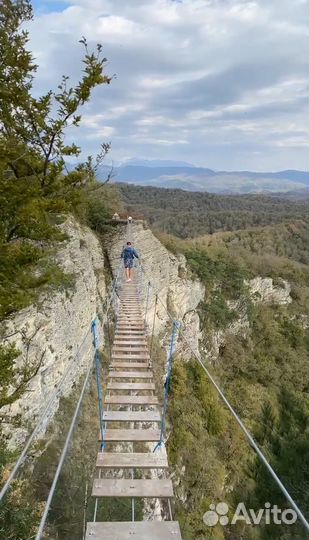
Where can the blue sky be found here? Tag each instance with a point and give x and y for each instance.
(218, 83)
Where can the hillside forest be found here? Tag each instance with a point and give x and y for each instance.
(188, 214)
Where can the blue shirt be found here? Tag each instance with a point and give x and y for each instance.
(128, 254)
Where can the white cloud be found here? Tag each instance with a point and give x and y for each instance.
(191, 76)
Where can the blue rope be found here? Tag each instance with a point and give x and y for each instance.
(147, 302)
(167, 384)
(98, 378)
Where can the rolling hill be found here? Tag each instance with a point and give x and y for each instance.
(185, 176)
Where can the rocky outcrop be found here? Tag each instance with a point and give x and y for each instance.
(261, 290)
(55, 334)
(264, 290)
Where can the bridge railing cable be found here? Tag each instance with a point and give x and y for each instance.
(167, 384)
(55, 395)
(42, 418)
(63, 455)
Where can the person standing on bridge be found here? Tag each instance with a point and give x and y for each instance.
(128, 255)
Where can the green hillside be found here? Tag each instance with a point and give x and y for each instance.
(187, 215)
(263, 370)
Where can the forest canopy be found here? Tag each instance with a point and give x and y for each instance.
(189, 214)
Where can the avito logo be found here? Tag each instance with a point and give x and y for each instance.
(218, 513)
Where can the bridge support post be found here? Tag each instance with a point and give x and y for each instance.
(175, 329)
(98, 378)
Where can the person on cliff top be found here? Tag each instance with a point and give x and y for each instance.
(128, 255)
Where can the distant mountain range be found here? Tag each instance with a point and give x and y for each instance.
(171, 174)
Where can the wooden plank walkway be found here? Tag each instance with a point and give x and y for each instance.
(131, 416)
(128, 460)
(137, 530)
(130, 374)
(131, 400)
(131, 435)
(130, 386)
(131, 365)
(120, 487)
(130, 361)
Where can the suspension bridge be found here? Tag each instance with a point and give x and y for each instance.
(132, 461)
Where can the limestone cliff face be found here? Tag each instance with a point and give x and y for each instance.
(56, 331)
(168, 276)
(264, 290)
(261, 290)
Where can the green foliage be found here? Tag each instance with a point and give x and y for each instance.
(217, 269)
(217, 312)
(205, 449)
(101, 203)
(19, 511)
(8, 355)
(34, 185)
(188, 214)
(25, 271)
(263, 372)
(15, 375)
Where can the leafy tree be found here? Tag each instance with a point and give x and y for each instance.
(36, 191)
(35, 186)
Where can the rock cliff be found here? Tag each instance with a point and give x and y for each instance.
(261, 290)
(56, 332)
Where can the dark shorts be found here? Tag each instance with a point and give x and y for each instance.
(128, 264)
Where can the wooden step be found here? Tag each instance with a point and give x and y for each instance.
(131, 435)
(133, 530)
(128, 331)
(139, 346)
(130, 309)
(132, 341)
(123, 356)
(142, 365)
(129, 344)
(131, 416)
(126, 349)
(131, 460)
(130, 313)
(130, 386)
(130, 374)
(121, 315)
(130, 304)
(130, 334)
(132, 321)
(131, 400)
(137, 341)
(130, 326)
(161, 488)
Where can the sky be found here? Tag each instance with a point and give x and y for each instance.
(218, 83)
